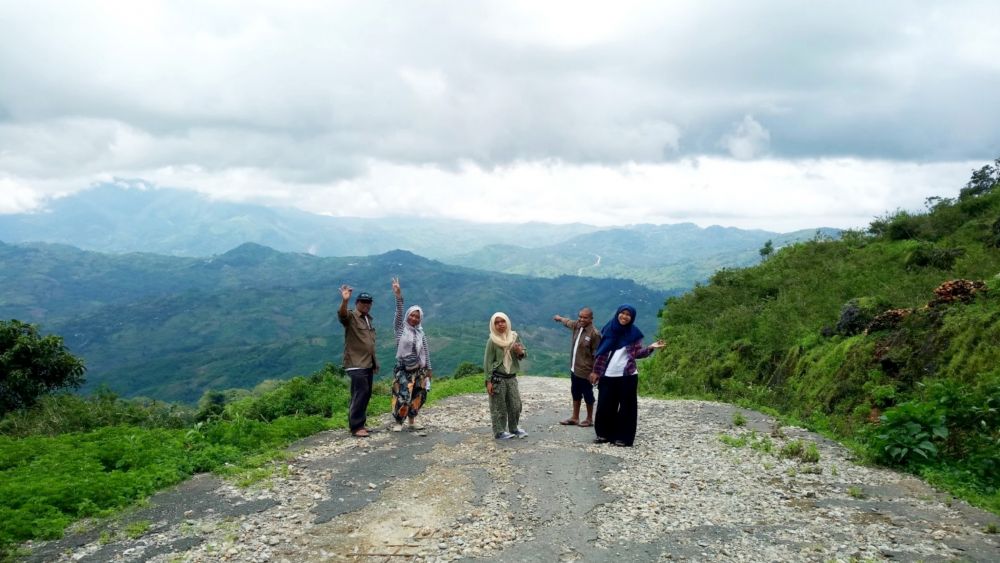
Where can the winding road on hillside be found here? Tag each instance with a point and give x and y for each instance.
(457, 494)
(597, 263)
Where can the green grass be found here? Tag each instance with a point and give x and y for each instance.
(54, 477)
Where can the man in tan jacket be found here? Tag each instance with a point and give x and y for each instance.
(360, 362)
(584, 341)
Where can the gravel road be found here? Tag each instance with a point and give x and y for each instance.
(681, 493)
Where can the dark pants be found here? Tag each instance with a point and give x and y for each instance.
(361, 393)
(581, 388)
(618, 409)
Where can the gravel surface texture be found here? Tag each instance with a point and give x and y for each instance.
(696, 487)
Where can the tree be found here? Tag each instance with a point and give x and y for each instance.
(982, 181)
(466, 369)
(32, 365)
(766, 250)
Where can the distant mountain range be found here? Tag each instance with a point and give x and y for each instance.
(114, 218)
(670, 257)
(172, 327)
(120, 219)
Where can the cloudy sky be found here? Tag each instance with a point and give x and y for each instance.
(766, 114)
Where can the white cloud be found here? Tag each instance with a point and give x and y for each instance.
(16, 197)
(748, 139)
(300, 102)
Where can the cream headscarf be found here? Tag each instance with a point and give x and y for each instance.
(505, 341)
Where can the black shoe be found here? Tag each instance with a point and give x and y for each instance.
(600, 440)
(621, 444)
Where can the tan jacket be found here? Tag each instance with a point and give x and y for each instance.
(584, 359)
(359, 340)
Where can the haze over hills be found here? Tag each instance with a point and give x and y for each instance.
(115, 218)
(671, 257)
(119, 218)
(173, 327)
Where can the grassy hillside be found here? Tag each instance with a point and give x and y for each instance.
(171, 327)
(851, 337)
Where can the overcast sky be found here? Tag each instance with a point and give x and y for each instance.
(766, 114)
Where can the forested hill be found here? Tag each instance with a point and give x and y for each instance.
(888, 337)
(171, 327)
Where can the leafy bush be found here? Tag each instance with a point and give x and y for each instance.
(907, 433)
(927, 254)
(466, 369)
(64, 413)
(906, 226)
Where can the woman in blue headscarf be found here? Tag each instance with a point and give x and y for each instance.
(618, 378)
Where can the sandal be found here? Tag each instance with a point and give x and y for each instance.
(568, 422)
(360, 433)
(585, 424)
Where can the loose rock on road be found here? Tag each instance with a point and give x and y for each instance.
(456, 494)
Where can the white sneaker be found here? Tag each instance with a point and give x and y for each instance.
(414, 425)
(520, 433)
(504, 436)
(398, 427)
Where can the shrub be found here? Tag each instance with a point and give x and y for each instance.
(907, 432)
(927, 254)
(905, 226)
(466, 369)
(792, 449)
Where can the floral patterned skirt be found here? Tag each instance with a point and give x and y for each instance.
(408, 392)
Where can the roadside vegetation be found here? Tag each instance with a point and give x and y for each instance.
(69, 457)
(886, 339)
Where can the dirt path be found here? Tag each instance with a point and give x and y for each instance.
(680, 494)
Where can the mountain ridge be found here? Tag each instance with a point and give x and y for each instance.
(173, 327)
(113, 218)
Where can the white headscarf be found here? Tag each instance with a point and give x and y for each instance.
(505, 340)
(412, 338)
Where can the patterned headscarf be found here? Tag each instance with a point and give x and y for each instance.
(505, 340)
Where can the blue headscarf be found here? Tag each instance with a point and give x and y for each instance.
(614, 335)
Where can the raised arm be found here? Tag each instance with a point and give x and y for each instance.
(345, 294)
(566, 322)
(397, 322)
